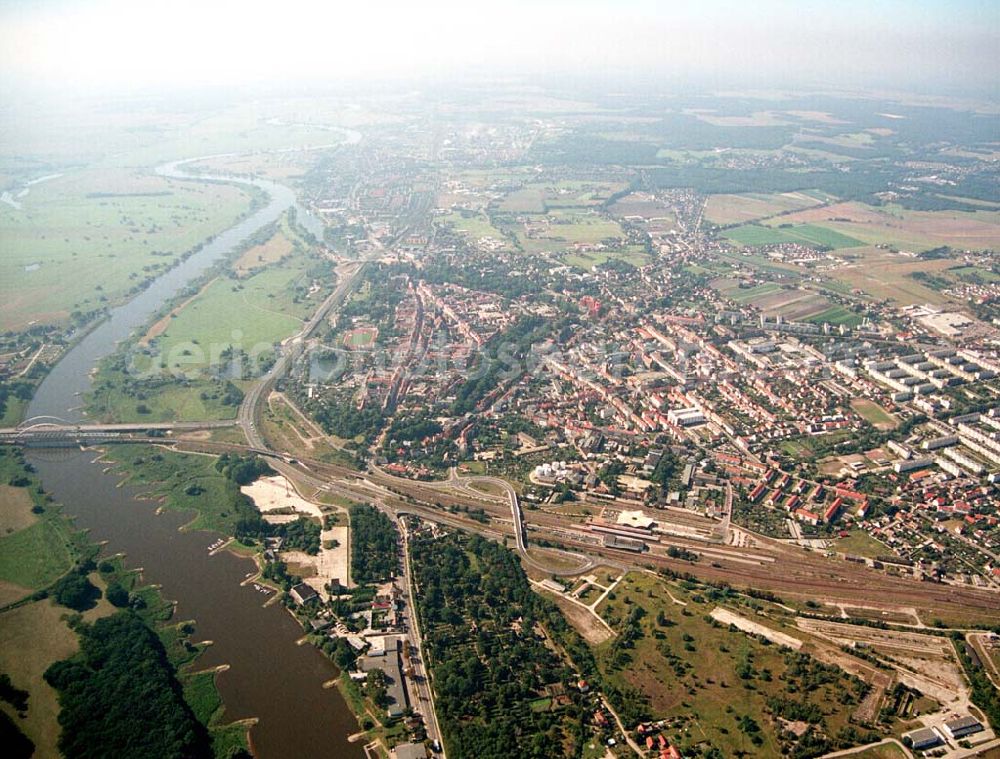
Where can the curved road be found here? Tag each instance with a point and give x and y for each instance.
(456, 482)
(250, 410)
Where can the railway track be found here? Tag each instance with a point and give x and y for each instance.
(790, 572)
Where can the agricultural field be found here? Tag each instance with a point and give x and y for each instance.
(570, 231)
(559, 230)
(835, 315)
(36, 556)
(752, 235)
(500, 180)
(15, 509)
(529, 200)
(579, 193)
(714, 685)
(645, 206)
(904, 229)
(860, 543)
(285, 166)
(590, 259)
(539, 198)
(791, 303)
(739, 209)
(86, 239)
(474, 224)
(13, 412)
(745, 295)
(116, 398)
(973, 274)
(244, 319)
(883, 275)
(252, 314)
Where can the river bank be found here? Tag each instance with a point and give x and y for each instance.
(40, 619)
(262, 674)
(266, 677)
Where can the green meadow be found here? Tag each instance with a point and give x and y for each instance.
(89, 238)
(803, 234)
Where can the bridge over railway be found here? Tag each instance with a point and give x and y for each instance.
(49, 431)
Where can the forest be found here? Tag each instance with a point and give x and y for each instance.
(119, 696)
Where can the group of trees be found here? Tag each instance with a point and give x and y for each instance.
(490, 661)
(374, 545)
(242, 470)
(377, 300)
(303, 534)
(676, 552)
(248, 525)
(983, 694)
(412, 428)
(75, 590)
(376, 688)
(16, 744)
(19, 389)
(502, 358)
(119, 697)
(341, 416)
(486, 276)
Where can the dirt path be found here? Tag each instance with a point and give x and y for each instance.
(587, 622)
(860, 749)
(632, 744)
(727, 617)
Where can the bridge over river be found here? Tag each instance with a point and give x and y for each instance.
(50, 431)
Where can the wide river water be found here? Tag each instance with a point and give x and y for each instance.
(269, 677)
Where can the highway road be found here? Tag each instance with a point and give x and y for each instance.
(250, 410)
(249, 417)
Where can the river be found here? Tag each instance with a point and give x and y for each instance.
(60, 394)
(269, 677)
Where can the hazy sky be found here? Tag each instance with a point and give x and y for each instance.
(932, 45)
